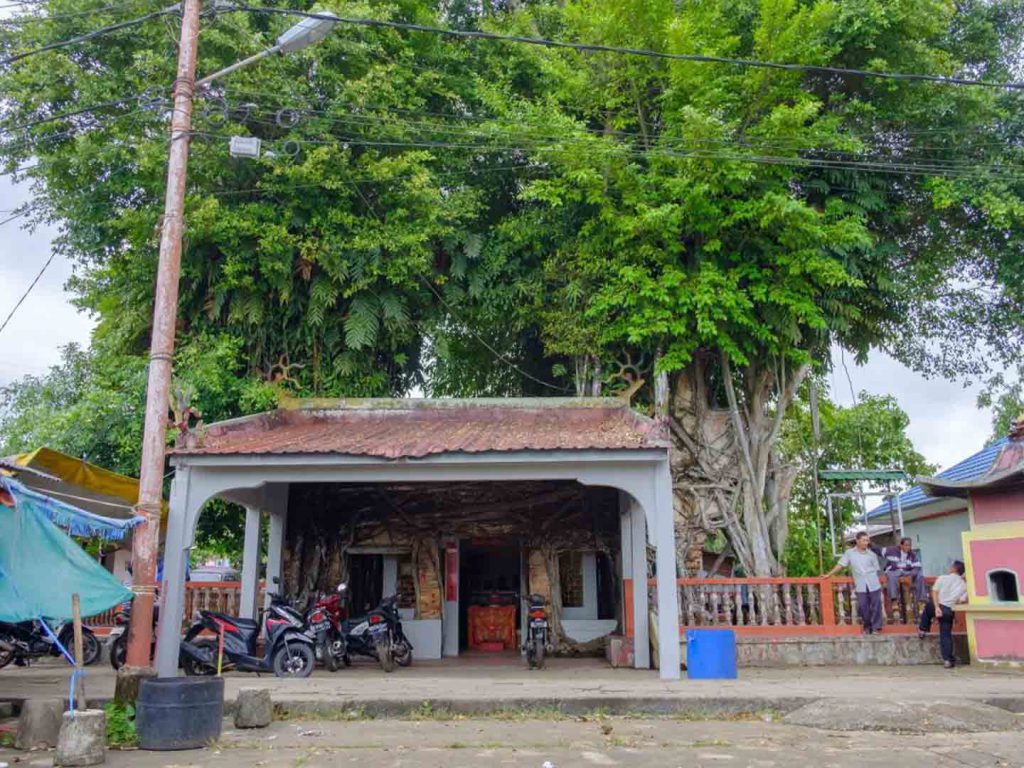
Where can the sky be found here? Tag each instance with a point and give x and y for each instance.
(945, 424)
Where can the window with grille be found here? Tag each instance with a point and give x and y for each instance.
(570, 570)
(406, 582)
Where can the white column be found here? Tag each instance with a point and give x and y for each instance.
(668, 592)
(250, 563)
(450, 620)
(176, 549)
(638, 542)
(278, 513)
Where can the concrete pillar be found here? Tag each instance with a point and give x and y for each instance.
(634, 569)
(450, 615)
(180, 522)
(277, 507)
(251, 563)
(668, 592)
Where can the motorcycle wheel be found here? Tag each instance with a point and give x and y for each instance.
(118, 650)
(6, 657)
(346, 660)
(538, 651)
(196, 668)
(296, 660)
(386, 655)
(330, 660)
(403, 653)
(90, 647)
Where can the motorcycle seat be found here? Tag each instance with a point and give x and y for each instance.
(234, 620)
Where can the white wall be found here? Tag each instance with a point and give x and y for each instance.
(939, 540)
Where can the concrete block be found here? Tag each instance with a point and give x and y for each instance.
(253, 709)
(620, 651)
(83, 738)
(126, 687)
(39, 724)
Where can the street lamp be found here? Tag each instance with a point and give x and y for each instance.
(146, 541)
(307, 32)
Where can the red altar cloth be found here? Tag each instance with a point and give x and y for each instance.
(492, 624)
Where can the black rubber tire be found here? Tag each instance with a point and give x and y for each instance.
(288, 656)
(118, 650)
(403, 653)
(538, 651)
(91, 647)
(386, 655)
(194, 668)
(346, 660)
(330, 660)
(6, 657)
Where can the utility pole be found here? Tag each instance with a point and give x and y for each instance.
(146, 539)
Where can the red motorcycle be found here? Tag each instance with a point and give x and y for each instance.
(325, 620)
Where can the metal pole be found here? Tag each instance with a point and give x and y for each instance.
(237, 65)
(899, 514)
(146, 539)
(831, 523)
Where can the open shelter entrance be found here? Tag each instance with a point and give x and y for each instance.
(462, 507)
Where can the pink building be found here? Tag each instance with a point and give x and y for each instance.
(994, 553)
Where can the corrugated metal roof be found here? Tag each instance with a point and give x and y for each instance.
(969, 469)
(396, 429)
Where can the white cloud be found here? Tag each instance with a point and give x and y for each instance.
(46, 320)
(946, 425)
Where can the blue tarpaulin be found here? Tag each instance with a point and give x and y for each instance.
(41, 566)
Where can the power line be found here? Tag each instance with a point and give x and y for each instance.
(27, 292)
(89, 35)
(597, 48)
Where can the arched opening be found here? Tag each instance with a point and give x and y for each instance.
(1003, 586)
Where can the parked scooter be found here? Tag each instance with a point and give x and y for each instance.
(289, 650)
(379, 636)
(325, 621)
(27, 640)
(535, 641)
(119, 634)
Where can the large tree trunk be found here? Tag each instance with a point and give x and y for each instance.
(725, 464)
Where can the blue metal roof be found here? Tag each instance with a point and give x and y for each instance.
(969, 469)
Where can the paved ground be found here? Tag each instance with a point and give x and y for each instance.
(569, 743)
(483, 684)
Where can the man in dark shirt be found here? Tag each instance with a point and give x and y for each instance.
(902, 561)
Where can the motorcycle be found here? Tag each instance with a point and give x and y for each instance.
(27, 640)
(119, 634)
(379, 636)
(535, 642)
(289, 643)
(324, 620)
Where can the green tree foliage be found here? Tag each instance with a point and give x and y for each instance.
(868, 435)
(483, 217)
(1004, 394)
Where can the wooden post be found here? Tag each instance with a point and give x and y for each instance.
(76, 623)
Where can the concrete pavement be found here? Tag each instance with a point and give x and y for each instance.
(569, 743)
(484, 684)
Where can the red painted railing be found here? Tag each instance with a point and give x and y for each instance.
(223, 596)
(787, 606)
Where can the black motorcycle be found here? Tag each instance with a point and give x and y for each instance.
(119, 635)
(535, 641)
(289, 643)
(27, 640)
(379, 636)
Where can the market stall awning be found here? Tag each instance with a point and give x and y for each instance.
(81, 484)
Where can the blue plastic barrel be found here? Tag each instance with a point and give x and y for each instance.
(711, 654)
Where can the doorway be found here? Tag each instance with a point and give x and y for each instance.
(366, 581)
(490, 576)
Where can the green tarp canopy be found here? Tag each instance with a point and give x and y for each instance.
(41, 566)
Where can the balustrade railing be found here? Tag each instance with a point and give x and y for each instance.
(787, 606)
(222, 596)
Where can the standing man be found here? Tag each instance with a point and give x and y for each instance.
(864, 567)
(947, 591)
(904, 561)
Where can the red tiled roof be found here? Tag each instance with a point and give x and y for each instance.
(395, 429)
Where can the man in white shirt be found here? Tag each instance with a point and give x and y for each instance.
(864, 567)
(947, 591)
